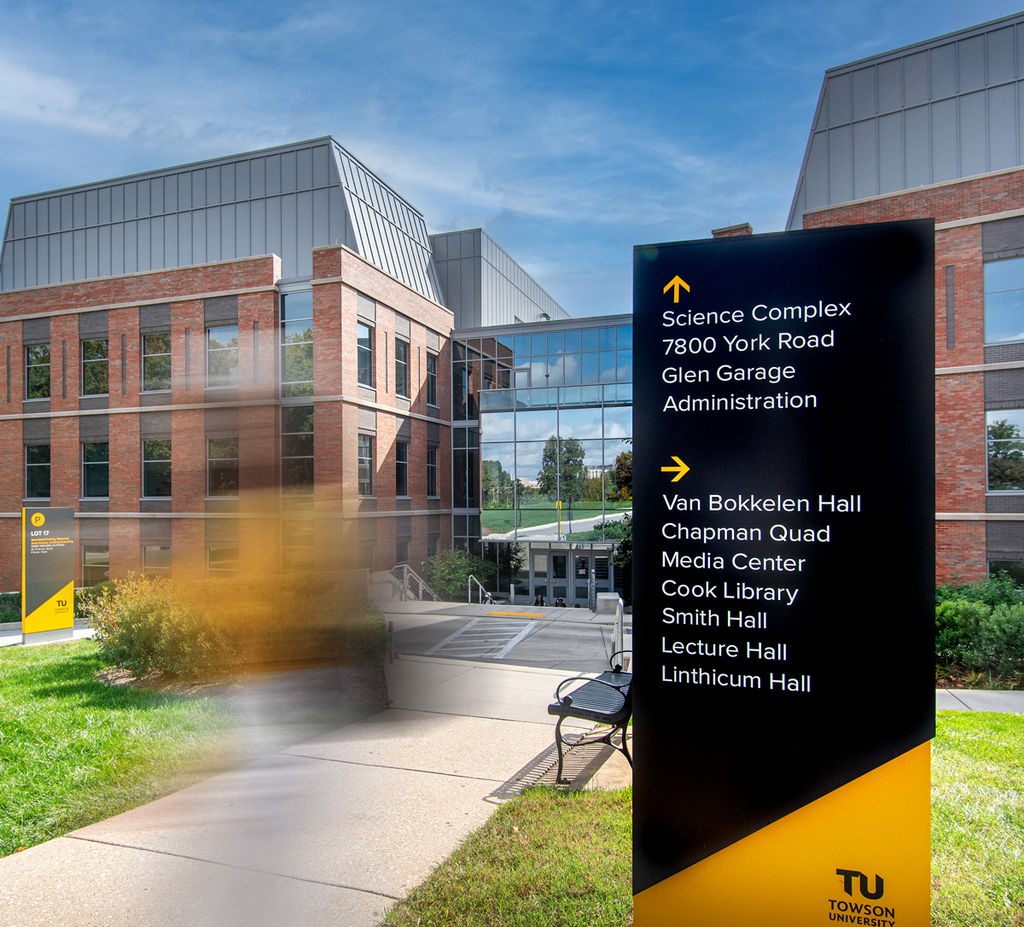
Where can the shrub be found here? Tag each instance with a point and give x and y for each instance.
(10, 606)
(448, 573)
(998, 642)
(86, 594)
(997, 589)
(956, 626)
(148, 624)
(144, 624)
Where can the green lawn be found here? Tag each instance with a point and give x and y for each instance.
(547, 858)
(550, 858)
(501, 521)
(978, 820)
(75, 750)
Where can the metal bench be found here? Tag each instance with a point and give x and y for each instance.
(605, 699)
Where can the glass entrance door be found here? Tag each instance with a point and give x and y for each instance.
(570, 575)
(559, 579)
(581, 579)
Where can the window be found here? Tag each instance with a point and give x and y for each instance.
(156, 560)
(156, 467)
(1005, 432)
(156, 361)
(432, 470)
(221, 561)
(364, 354)
(401, 367)
(297, 449)
(401, 468)
(297, 344)
(94, 367)
(37, 471)
(1004, 300)
(431, 379)
(1014, 567)
(37, 371)
(96, 470)
(401, 550)
(222, 356)
(365, 472)
(95, 564)
(222, 466)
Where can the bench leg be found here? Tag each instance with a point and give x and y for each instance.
(558, 743)
(625, 747)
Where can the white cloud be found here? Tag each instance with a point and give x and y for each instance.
(31, 96)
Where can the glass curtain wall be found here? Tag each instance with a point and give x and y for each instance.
(544, 450)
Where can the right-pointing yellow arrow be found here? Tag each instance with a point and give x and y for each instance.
(680, 469)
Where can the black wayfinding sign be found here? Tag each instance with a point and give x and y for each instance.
(784, 577)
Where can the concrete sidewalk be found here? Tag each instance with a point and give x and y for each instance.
(330, 831)
(980, 700)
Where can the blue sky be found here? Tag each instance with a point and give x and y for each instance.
(570, 131)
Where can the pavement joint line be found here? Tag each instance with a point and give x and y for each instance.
(429, 772)
(956, 697)
(459, 714)
(232, 866)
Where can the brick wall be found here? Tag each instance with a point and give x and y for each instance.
(960, 480)
(978, 196)
(341, 411)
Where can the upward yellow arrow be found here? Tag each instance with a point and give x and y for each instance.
(674, 284)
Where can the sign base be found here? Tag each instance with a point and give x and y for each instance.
(861, 851)
(47, 637)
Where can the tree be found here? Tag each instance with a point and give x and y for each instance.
(1005, 456)
(496, 484)
(624, 474)
(624, 557)
(510, 561)
(561, 470)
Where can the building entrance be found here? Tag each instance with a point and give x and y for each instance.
(572, 575)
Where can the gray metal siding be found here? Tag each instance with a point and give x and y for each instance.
(483, 286)
(937, 111)
(285, 201)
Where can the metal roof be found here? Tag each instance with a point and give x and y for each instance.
(933, 112)
(285, 200)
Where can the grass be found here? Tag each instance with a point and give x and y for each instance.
(561, 859)
(74, 749)
(978, 820)
(501, 521)
(548, 858)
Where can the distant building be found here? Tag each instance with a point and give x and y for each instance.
(936, 130)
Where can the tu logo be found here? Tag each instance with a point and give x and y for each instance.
(850, 874)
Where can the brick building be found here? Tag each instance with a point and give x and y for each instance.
(936, 130)
(242, 360)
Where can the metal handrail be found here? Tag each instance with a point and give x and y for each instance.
(481, 592)
(409, 578)
(619, 631)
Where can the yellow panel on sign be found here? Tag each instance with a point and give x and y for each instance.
(56, 612)
(859, 855)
